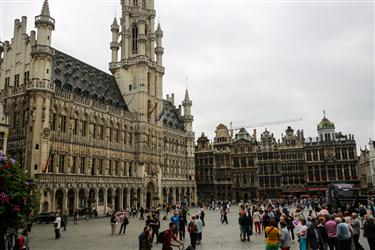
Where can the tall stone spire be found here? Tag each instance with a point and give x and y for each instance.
(45, 9)
(187, 99)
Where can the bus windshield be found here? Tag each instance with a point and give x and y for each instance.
(347, 194)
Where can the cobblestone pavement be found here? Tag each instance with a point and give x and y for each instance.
(95, 235)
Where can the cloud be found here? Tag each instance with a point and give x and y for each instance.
(247, 61)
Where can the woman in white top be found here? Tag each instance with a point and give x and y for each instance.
(256, 219)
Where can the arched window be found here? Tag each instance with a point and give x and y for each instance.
(135, 40)
(144, 3)
(135, 2)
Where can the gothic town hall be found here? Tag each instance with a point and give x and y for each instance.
(95, 139)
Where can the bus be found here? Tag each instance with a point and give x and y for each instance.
(344, 195)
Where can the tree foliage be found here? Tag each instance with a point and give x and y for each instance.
(19, 195)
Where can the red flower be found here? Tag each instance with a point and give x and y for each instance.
(4, 197)
(16, 208)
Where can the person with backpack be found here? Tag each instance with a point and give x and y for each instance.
(145, 239)
(193, 230)
(124, 221)
(169, 237)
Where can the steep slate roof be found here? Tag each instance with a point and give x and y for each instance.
(72, 74)
(170, 116)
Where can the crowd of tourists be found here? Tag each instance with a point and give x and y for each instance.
(312, 226)
(181, 223)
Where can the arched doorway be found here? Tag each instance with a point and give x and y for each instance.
(45, 207)
(101, 197)
(150, 195)
(71, 198)
(59, 195)
(82, 198)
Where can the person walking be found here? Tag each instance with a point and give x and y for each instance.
(176, 220)
(285, 239)
(243, 222)
(113, 222)
(64, 220)
(301, 233)
(199, 229)
(362, 212)
(256, 219)
(272, 236)
(182, 226)
(313, 237)
(193, 230)
(224, 217)
(170, 239)
(76, 213)
(202, 215)
(344, 241)
(249, 228)
(369, 231)
(145, 239)
(57, 226)
(154, 224)
(123, 218)
(331, 227)
(356, 226)
(141, 213)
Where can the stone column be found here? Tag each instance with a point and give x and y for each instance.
(174, 196)
(105, 200)
(65, 202)
(128, 197)
(53, 205)
(97, 200)
(121, 199)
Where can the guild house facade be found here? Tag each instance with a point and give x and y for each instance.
(244, 167)
(95, 139)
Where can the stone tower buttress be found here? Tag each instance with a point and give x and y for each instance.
(138, 75)
(41, 91)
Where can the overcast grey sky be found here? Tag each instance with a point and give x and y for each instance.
(247, 61)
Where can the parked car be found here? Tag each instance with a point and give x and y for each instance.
(45, 217)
